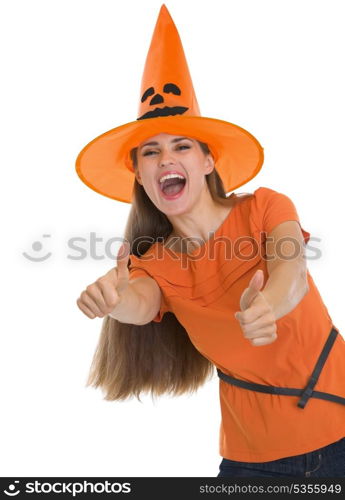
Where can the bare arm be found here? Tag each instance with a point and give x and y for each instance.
(140, 302)
(137, 301)
(287, 283)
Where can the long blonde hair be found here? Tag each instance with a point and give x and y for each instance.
(157, 357)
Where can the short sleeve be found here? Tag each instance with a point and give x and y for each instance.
(272, 208)
(137, 272)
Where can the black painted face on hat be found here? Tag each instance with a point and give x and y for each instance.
(168, 89)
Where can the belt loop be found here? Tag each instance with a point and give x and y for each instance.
(305, 396)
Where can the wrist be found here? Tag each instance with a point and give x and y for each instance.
(271, 302)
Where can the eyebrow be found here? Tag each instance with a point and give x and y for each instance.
(154, 143)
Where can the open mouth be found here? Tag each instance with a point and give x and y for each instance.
(172, 188)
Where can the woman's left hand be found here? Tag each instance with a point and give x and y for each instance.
(257, 318)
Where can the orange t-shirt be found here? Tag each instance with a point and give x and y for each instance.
(203, 290)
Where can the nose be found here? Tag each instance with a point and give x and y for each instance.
(157, 99)
(166, 158)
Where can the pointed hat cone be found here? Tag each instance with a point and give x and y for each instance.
(166, 72)
(167, 105)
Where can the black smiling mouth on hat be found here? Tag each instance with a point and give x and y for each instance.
(169, 88)
(167, 111)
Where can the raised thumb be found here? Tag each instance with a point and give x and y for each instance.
(122, 259)
(257, 281)
(251, 292)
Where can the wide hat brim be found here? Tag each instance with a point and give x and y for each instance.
(104, 164)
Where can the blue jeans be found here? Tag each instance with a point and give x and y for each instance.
(328, 461)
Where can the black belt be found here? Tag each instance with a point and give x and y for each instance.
(305, 393)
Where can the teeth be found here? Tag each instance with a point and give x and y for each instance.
(170, 176)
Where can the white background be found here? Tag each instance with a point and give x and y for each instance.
(71, 70)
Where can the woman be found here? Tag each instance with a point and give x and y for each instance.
(164, 359)
(215, 281)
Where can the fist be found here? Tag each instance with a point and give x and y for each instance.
(256, 317)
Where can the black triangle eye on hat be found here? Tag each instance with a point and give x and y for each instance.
(167, 105)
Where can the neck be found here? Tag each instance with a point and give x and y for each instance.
(197, 224)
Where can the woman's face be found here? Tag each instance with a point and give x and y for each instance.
(162, 154)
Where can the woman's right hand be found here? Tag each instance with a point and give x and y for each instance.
(102, 296)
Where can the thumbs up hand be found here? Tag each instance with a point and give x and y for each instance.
(256, 318)
(101, 297)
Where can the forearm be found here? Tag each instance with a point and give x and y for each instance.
(130, 309)
(285, 287)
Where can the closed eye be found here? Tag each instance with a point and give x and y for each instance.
(147, 153)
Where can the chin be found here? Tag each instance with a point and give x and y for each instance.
(172, 211)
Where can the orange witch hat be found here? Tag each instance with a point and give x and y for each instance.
(167, 105)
